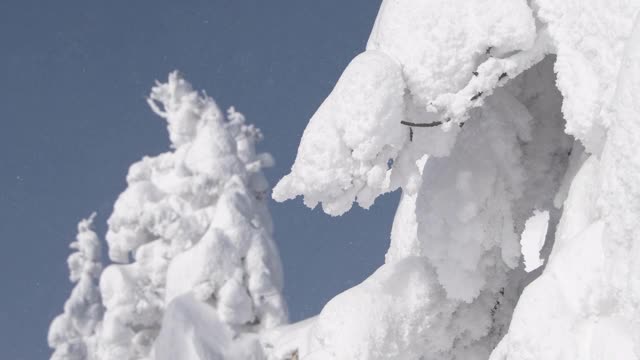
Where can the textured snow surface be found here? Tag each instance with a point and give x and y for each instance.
(355, 148)
(195, 224)
(531, 105)
(504, 142)
(346, 148)
(588, 294)
(589, 39)
(191, 330)
(393, 291)
(72, 334)
(459, 232)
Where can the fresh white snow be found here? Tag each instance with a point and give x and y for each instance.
(533, 238)
(72, 334)
(192, 246)
(527, 156)
(504, 143)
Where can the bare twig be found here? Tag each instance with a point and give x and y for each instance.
(412, 124)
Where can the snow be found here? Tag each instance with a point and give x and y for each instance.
(379, 328)
(556, 305)
(355, 148)
(439, 45)
(345, 150)
(195, 224)
(72, 334)
(531, 152)
(232, 263)
(587, 294)
(288, 341)
(193, 331)
(533, 238)
(589, 39)
(520, 144)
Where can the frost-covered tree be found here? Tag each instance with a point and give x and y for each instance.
(586, 303)
(486, 114)
(193, 234)
(72, 334)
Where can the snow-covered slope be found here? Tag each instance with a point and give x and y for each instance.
(456, 103)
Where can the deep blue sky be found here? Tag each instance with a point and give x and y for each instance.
(74, 75)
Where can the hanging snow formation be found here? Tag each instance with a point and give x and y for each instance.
(193, 234)
(72, 334)
(498, 141)
(589, 294)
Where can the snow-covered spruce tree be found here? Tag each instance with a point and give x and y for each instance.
(72, 334)
(201, 272)
(455, 102)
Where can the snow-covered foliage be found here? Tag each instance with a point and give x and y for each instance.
(455, 102)
(72, 334)
(512, 128)
(589, 293)
(396, 79)
(194, 234)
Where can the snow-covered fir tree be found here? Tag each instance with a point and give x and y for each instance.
(72, 334)
(198, 270)
(503, 122)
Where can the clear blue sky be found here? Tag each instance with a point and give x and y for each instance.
(74, 75)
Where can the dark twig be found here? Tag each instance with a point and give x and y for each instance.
(502, 76)
(431, 124)
(476, 96)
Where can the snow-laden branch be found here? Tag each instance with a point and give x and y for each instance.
(491, 74)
